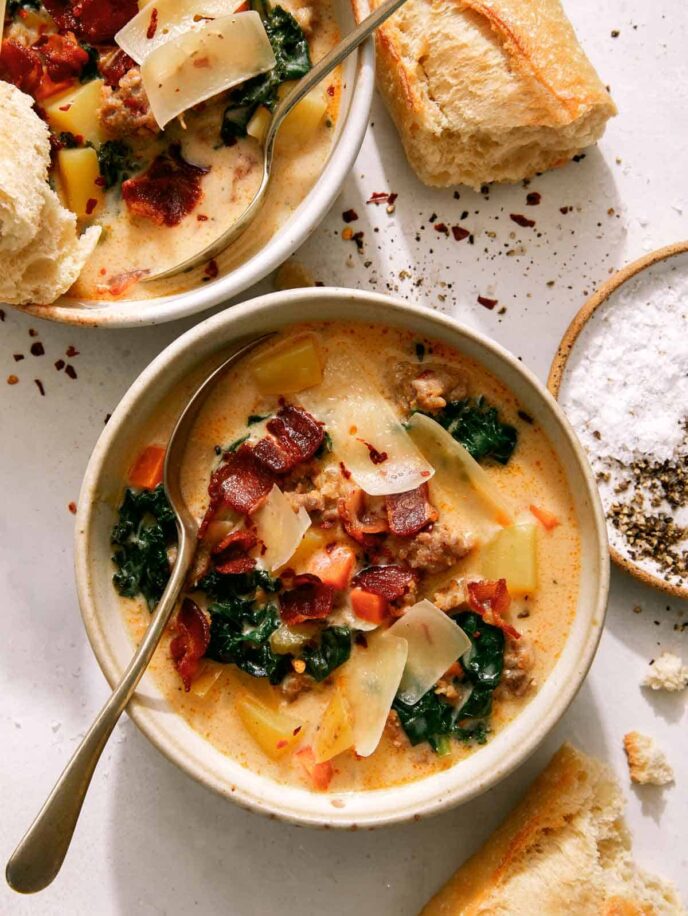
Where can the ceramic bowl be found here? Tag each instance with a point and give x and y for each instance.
(169, 732)
(358, 80)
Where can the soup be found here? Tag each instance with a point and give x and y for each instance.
(387, 566)
(161, 196)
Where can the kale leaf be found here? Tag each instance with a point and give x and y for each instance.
(90, 69)
(13, 6)
(476, 425)
(332, 651)
(293, 60)
(226, 588)
(116, 162)
(433, 718)
(143, 532)
(239, 635)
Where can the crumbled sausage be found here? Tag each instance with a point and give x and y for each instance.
(318, 492)
(432, 550)
(125, 111)
(451, 596)
(429, 389)
(294, 685)
(519, 658)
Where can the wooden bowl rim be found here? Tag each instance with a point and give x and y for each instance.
(556, 374)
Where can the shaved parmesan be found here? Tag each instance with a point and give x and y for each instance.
(364, 426)
(171, 18)
(370, 680)
(434, 643)
(198, 64)
(456, 467)
(279, 528)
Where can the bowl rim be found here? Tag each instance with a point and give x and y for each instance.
(290, 236)
(558, 370)
(309, 809)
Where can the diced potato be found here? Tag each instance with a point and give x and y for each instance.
(290, 639)
(257, 127)
(314, 539)
(303, 120)
(334, 733)
(289, 367)
(209, 676)
(512, 555)
(76, 111)
(273, 731)
(79, 173)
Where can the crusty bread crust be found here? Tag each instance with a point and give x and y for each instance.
(563, 849)
(487, 90)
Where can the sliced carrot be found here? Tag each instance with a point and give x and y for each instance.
(320, 774)
(547, 519)
(367, 606)
(333, 566)
(146, 472)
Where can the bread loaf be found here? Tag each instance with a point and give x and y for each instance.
(487, 90)
(563, 850)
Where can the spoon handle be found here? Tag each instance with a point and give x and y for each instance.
(331, 60)
(39, 856)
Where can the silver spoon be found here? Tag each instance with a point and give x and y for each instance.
(39, 856)
(331, 60)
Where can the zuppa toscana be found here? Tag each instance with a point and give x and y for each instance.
(157, 116)
(387, 564)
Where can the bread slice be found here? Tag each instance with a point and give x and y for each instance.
(41, 252)
(564, 849)
(647, 762)
(23, 172)
(487, 90)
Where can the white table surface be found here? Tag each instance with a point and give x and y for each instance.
(152, 841)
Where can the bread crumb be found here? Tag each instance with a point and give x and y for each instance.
(647, 762)
(666, 673)
(293, 275)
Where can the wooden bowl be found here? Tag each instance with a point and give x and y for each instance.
(558, 368)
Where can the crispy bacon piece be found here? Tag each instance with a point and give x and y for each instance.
(231, 554)
(408, 513)
(295, 436)
(92, 20)
(64, 57)
(21, 66)
(389, 582)
(191, 641)
(113, 67)
(491, 599)
(167, 191)
(240, 483)
(308, 599)
(358, 523)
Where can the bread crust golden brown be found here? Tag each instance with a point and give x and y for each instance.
(563, 849)
(487, 90)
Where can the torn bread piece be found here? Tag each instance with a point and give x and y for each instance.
(666, 673)
(563, 849)
(647, 762)
(41, 252)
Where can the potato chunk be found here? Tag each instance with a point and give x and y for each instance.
(303, 120)
(79, 172)
(334, 733)
(512, 555)
(274, 732)
(290, 367)
(76, 111)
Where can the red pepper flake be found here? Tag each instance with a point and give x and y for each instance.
(346, 473)
(18, 357)
(37, 349)
(91, 204)
(100, 182)
(33, 332)
(72, 507)
(533, 199)
(202, 218)
(153, 24)
(39, 385)
(441, 227)
(71, 371)
(349, 216)
(459, 233)
(358, 239)
(2, 314)
(12, 380)
(65, 107)
(211, 269)
(522, 220)
(488, 303)
(59, 364)
(375, 456)
(107, 419)
(379, 197)
(564, 210)
(71, 351)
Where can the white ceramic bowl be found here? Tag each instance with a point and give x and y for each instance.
(358, 81)
(169, 732)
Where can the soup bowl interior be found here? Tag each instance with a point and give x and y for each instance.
(358, 79)
(177, 365)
